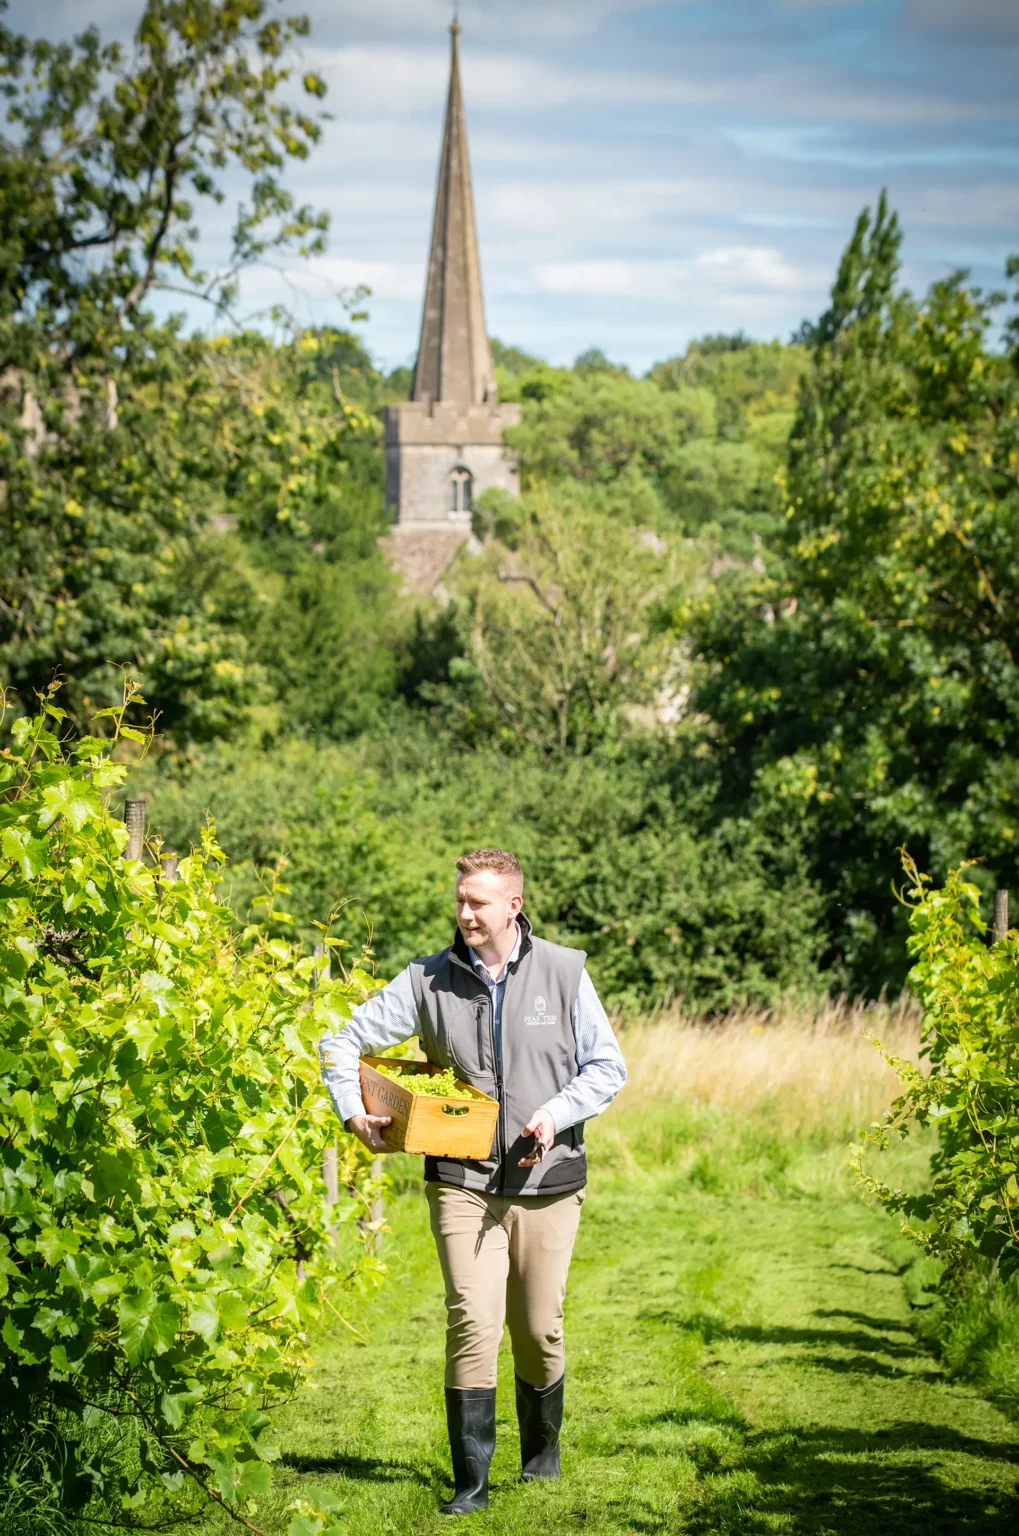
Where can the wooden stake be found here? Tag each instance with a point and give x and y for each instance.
(378, 1208)
(331, 1174)
(1000, 914)
(134, 820)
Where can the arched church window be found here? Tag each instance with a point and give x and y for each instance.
(459, 491)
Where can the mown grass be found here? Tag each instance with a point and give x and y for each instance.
(742, 1355)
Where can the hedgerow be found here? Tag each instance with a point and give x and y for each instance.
(164, 1242)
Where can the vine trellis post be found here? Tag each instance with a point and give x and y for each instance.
(1000, 914)
(331, 1156)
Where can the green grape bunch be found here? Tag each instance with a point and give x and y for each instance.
(443, 1085)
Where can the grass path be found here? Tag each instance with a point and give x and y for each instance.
(736, 1366)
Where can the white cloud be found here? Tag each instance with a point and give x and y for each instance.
(729, 269)
(400, 80)
(479, 18)
(749, 267)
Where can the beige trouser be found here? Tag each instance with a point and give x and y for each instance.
(503, 1259)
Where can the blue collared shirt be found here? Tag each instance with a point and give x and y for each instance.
(496, 991)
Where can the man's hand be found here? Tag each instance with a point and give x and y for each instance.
(542, 1127)
(367, 1130)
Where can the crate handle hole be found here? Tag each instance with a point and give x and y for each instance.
(455, 1109)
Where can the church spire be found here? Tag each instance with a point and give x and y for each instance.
(454, 359)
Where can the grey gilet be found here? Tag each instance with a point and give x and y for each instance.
(539, 1057)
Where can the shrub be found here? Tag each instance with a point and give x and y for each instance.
(616, 854)
(969, 993)
(163, 1239)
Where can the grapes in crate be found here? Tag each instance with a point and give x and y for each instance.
(440, 1085)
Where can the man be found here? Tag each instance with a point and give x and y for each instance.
(518, 1018)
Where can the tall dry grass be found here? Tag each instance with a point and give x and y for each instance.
(807, 1072)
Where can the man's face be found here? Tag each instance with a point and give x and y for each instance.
(486, 906)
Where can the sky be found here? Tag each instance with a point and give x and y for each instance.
(644, 172)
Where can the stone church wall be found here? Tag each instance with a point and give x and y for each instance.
(418, 479)
(424, 447)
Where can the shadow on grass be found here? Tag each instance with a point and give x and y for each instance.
(895, 1270)
(825, 1482)
(359, 1468)
(878, 1324)
(851, 1483)
(907, 1477)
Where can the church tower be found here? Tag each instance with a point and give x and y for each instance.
(444, 446)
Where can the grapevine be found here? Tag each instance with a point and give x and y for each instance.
(443, 1085)
(164, 1243)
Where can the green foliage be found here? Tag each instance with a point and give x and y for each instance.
(302, 489)
(103, 562)
(509, 362)
(604, 428)
(724, 481)
(620, 854)
(111, 561)
(720, 341)
(593, 360)
(975, 1330)
(113, 439)
(111, 145)
(161, 1131)
(969, 1217)
(695, 445)
(564, 647)
(863, 676)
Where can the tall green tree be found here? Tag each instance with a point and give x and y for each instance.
(867, 682)
(107, 156)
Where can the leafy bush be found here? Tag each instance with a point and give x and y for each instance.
(969, 1218)
(975, 1330)
(164, 1243)
(619, 854)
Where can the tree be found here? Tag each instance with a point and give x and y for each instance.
(695, 445)
(602, 428)
(108, 446)
(511, 360)
(564, 639)
(110, 147)
(869, 684)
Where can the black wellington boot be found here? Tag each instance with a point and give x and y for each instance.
(540, 1414)
(470, 1417)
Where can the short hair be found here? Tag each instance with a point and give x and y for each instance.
(497, 860)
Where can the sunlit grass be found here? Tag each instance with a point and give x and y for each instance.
(810, 1072)
(741, 1361)
(758, 1100)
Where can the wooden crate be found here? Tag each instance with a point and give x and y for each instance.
(448, 1127)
